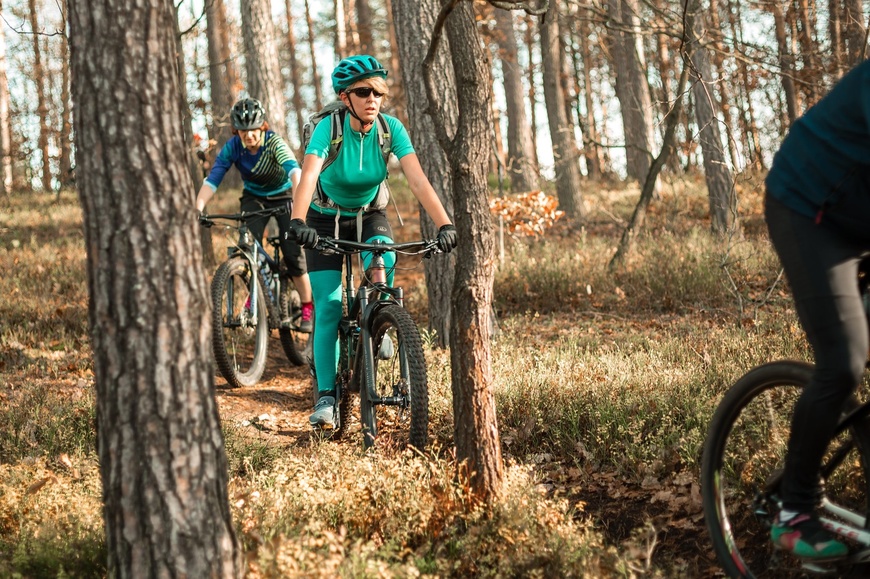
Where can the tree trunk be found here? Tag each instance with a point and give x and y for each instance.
(398, 98)
(561, 133)
(530, 78)
(720, 188)
(64, 162)
(590, 142)
(786, 63)
(364, 27)
(340, 40)
(855, 32)
(478, 450)
(520, 159)
(632, 87)
(835, 36)
(162, 457)
(295, 75)
(38, 75)
(5, 121)
(315, 75)
(261, 62)
(414, 21)
(811, 71)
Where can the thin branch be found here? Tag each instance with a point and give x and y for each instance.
(438, 122)
(519, 5)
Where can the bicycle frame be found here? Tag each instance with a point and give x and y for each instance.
(359, 307)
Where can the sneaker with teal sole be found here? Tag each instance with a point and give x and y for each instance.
(324, 413)
(804, 536)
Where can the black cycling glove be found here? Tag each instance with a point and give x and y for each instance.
(302, 234)
(446, 238)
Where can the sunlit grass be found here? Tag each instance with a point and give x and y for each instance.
(592, 370)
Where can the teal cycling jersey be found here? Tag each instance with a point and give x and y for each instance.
(354, 178)
(264, 173)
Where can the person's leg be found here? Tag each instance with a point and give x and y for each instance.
(249, 203)
(297, 269)
(377, 227)
(821, 268)
(324, 272)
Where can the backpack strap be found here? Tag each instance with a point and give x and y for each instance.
(336, 136)
(385, 139)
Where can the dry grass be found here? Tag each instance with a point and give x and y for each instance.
(594, 373)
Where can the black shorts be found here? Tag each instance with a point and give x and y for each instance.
(294, 258)
(374, 223)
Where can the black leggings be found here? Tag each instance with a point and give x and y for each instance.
(293, 255)
(821, 265)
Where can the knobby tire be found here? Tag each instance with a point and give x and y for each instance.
(238, 342)
(745, 445)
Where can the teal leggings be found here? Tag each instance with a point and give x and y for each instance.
(326, 287)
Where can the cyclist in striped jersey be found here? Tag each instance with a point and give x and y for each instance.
(269, 173)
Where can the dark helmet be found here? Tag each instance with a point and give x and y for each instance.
(354, 68)
(248, 114)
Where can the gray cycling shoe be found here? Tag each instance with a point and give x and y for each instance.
(387, 349)
(324, 413)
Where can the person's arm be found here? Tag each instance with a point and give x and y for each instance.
(423, 191)
(303, 191)
(221, 165)
(204, 196)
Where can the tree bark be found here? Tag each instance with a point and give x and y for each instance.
(64, 161)
(475, 427)
(856, 32)
(364, 27)
(38, 75)
(295, 75)
(632, 86)
(261, 62)
(162, 457)
(720, 187)
(414, 21)
(786, 63)
(561, 133)
(5, 121)
(521, 157)
(315, 75)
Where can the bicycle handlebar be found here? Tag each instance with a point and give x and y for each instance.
(207, 220)
(343, 246)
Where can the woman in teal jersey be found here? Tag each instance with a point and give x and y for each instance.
(328, 202)
(269, 172)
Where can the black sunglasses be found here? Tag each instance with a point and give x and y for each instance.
(363, 92)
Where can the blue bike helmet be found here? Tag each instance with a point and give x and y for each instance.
(354, 68)
(248, 114)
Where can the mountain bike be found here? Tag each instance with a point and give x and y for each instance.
(380, 349)
(251, 296)
(741, 472)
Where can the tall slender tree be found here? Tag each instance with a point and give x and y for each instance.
(295, 72)
(632, 86)
(561, 133)
(64, 145)
(415, 21)
(162, 458)
(475, 425)
(264, 80)
(38, 76)
(521, 164)
(717, 175)
(5, 121)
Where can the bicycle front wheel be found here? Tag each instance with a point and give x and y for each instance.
(744, 454)
(399, 416)
(239, 336)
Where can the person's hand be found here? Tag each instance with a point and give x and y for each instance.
(446, 238)
(304, 235)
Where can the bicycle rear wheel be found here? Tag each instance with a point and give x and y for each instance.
(743, 453)
(294, 342)
(239, 339)
(400, 377)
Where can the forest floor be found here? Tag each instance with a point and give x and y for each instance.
(659, 523)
